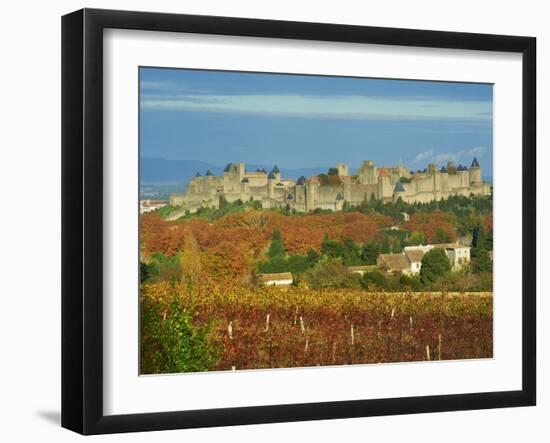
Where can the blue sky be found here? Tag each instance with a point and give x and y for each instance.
(299, 121)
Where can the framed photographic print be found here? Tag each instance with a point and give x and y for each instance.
(269, 221)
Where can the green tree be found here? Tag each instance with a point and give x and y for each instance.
(478, 240)
(409, 283)
(483, 262)
(223, 202)
(417, 238)
(385, 248)
(274, 265)
(144, 272)
(277, 246)
(441, 236)
(332, 248)
(331, 273)
(190, 262)
(370, 252)
(171, 343)
(312, 257)
(375, 281)
(352, 253)
(435, 264)
(298, 263)
(162, 268)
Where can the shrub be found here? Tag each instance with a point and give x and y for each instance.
(375, 280)
(160, 267)
(483, 262)
(174, 344)
(331, 273)
(410, 283)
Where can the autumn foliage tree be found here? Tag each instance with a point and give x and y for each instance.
(190, 262)
(437, 227)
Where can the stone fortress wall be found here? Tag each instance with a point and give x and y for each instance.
(307, 194)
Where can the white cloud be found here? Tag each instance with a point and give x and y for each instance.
(352, 107)
(447, 157)
(478, 150)
(464, 155)
(424, 155)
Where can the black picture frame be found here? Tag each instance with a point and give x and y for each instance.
(82, 215)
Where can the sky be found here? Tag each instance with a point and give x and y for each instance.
(298, 121)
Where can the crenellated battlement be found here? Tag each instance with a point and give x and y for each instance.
(332, 190)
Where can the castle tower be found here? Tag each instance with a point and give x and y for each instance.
(271, 182)
(232, 178)
(462, 172)
(343, 170)
(367, 173)
(436, 181)
(207, 180)
(339, 201)
(241, 169)
(311, 193)
(432, 169)
(300, 194)
(475, 173)
(290, 200)
(444, 180)
(276, 173)
(398, 191)
(196, 185)
(451, 168)
(385, 189)
(347, 188)
(244, 188)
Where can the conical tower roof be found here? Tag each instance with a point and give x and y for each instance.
(399, 187)
(475, 164)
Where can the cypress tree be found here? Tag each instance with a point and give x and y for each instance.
(277, 246)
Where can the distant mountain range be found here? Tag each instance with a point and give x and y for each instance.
(157, 171)
(160, 171)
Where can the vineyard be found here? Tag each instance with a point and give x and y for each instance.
(274, 328)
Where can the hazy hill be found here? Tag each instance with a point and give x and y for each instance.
(163, 171)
